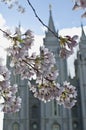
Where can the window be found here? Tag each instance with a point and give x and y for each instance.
(15, 126)
(55, 108)
(34, 126)
(75, 125)
(56, 126)
(34, 111)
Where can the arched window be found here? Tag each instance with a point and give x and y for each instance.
(75, 125)
(35, 111)
(15, 126)
(55, 108)
(34, 126)
(56, 126)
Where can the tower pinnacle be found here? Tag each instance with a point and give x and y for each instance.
(83, 37)
(51, 23)
(50, 7)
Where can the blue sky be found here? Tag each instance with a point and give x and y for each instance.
(63, 15)
(64, 18)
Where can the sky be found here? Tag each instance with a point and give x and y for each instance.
(65, 20)
(63, 15)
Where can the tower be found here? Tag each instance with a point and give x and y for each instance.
(53, 116)
(78, 112)
(81, 72)
(52, 43)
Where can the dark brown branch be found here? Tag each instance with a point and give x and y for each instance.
(30, 65)
(36, 70)
(8, 35)
(5, 33)
(36, 15)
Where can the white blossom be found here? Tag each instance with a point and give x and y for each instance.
(67, 95)
(28, 66)
(7, 92)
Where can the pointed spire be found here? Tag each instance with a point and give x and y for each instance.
(50, 9)
(18, 29)
(83, 36)
(19, 25)
(51, 23)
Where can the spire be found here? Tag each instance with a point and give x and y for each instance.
(19, 25)
(83, 36)
(50, 9)
(51, 23)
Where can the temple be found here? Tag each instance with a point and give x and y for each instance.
(36, 115)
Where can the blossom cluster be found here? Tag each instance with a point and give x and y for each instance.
(12, 3)
(67, 44)
(80, 4)
(41, 67)
(10, 102)
(67, 95)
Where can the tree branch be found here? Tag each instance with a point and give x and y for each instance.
(36, 15)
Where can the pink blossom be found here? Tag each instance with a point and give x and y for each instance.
(41, 66)
(67, 95)
(8, 92)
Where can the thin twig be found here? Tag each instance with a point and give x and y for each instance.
(25, 61)
(5, 33)
(36, 15)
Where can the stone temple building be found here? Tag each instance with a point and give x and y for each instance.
(36, 115)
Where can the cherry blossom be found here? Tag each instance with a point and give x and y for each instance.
(67, 44)
(12, 3)
(45, 92)
(67, 95)
(65, 53)
(80, 4)
(10, 103)
(40, 67)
